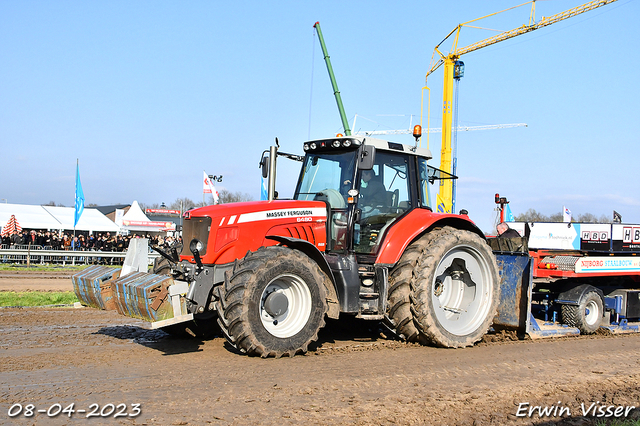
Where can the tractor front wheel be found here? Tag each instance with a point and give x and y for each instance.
(272, 303)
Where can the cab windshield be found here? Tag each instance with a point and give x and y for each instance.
(331, 174)
(328, 177)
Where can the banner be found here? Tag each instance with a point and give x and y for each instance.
(167, 225)
(206, 184)
(566, 214)
(163, 211)
(79, 197)
(208, 188)
(118, 217)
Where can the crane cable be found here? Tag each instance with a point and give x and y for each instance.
(313, 56)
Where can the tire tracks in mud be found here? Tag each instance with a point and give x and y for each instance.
(356, 375)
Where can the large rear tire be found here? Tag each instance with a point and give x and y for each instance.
(272, 303)
(455, 289)
(587, 316)
(399, 295)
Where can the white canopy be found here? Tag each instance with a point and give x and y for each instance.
(136, 220)
(55, 218)
(135, 213)
(90, 219)
(30, 217)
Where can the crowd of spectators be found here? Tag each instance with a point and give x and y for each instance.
(51, 240)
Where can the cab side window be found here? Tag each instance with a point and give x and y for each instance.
(384, 195)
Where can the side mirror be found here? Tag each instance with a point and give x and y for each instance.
(367, 157)
(264, 164)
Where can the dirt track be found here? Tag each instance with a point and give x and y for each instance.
(34, 281)
(354, 376)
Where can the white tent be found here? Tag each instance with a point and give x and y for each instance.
(91, 220)
(29, 217)
(55, 218)
(135, 221)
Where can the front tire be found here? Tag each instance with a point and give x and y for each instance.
(272, 303)
(455, 289)
(162, 265)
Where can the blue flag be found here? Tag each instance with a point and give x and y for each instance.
(508, 217)
(264, 195)
(79, 198)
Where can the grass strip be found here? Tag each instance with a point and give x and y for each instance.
(37, 298)
(41, 268)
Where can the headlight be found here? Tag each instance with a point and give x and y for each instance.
(305, 147)
(335, 144)
(312, 145)
(195, 245)
(346, 143)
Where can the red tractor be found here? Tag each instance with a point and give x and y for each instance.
(358, 238)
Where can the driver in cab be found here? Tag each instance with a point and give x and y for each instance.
(372, 193)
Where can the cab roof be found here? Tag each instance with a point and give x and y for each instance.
(379, 144)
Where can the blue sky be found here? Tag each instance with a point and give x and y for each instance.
(148, 94)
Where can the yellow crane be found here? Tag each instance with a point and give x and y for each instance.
(453, 67)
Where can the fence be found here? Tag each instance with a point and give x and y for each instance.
(44, 255)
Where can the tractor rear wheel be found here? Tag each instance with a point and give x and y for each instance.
(399, 313)
(455, 288)
(272, 303)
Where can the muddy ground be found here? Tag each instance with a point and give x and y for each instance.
(357, 374)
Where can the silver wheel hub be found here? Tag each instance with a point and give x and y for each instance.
(285, 306)
(591, 313)
(462, 290)
(276, 304)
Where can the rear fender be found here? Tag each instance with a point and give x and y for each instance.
(315, 254)
(415, 224)
(574, 295)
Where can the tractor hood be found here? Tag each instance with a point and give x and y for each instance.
(228, 231)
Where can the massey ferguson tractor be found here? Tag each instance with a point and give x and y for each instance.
(358, 238)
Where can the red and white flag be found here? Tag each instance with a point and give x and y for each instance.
(208, 188)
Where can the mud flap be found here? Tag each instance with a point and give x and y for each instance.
(516, 275)
(514, 310)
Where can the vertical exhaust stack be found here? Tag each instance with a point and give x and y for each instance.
(271, 189)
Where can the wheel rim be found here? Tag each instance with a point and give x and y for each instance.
(591, 312)
(462, 290)
(297, 308)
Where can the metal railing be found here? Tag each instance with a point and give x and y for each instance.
(44, 255)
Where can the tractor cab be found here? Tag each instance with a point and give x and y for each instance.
(367, 184)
